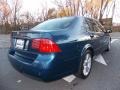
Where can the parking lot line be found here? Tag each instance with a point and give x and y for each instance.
(69, 78)
(99, 58)
(113, 40)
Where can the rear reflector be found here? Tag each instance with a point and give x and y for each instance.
(45, 46)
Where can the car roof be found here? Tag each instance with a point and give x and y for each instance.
(78, 17)
(68, 17)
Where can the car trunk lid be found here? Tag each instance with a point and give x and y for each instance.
(21, 42)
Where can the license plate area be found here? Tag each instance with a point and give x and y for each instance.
(19, 44)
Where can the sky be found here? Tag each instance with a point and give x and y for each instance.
(34, 5)
(117, 12)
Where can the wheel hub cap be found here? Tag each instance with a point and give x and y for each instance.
(87, 64)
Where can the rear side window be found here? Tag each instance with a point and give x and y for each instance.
(89, 25)
(55, 24)
(94, 26)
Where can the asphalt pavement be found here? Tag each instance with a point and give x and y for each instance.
(102, 77)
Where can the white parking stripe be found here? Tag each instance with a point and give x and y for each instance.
(99, 58)
(113, 40)
(69, 78)
(19, 81)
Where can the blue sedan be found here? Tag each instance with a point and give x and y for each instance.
(59, 47)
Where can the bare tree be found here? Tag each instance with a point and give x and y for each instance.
(68, 7)
(16, 6)
(5, 13)
(104, 5)
(45, 13)
(113, 9)
(89, 8)
(28, 20)
(97, 10)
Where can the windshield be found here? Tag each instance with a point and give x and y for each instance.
(55, 24)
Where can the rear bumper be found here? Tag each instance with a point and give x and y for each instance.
(45, 66)
(40, 68)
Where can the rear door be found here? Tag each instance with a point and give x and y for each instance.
(100, 34)
(96, 35)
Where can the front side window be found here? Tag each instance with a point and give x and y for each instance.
(95, 26)
(100, 26)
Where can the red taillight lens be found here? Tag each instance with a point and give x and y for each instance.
(45, 45)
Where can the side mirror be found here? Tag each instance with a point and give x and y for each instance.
(109, 31)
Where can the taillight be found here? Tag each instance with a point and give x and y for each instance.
(45, 46)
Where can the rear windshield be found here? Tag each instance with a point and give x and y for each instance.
(55, 24)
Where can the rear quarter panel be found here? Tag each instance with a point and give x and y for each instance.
(71, 43)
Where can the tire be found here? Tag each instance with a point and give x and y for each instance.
(109, 46)
(85, 65)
